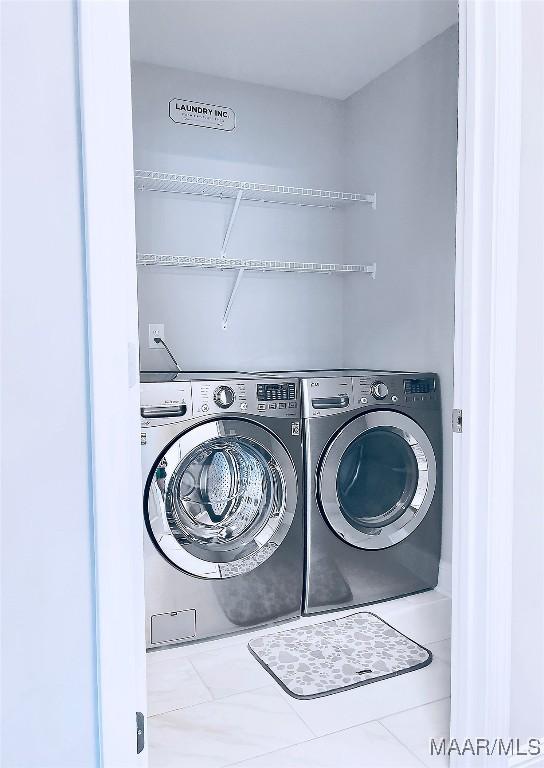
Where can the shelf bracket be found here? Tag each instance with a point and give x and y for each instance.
(233, 293)
(231, 224)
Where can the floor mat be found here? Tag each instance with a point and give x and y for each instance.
(337, 654)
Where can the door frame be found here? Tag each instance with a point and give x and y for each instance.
(103, 39)
(488, 158)
(487, 233)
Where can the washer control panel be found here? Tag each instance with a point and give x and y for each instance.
(224, 396)
(270, 391)
(165, 402)
(252, 396)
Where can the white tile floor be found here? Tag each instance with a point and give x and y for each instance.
(212, 705)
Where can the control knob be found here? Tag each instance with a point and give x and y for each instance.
(379, 390)
(223, 397)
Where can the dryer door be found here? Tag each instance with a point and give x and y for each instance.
(220, 498)
(377, 479)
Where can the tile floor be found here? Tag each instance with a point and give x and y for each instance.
(212, 705)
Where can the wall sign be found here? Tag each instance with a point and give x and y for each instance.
(202, 115)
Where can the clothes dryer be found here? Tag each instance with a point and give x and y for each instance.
(373, 455)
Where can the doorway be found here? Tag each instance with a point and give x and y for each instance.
(296, 211)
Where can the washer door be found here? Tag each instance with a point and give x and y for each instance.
(220, 498)
(377, 479)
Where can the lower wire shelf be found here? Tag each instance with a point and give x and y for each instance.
(158, 260)
(249, 265)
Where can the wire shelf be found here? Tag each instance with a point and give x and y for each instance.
(156, 181)
(158, 260)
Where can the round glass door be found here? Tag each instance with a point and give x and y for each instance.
(220, 499)
(377, 480)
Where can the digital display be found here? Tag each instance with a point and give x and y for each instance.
(418, 386)
(276, 391)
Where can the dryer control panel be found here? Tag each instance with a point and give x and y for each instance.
(384, 388)
(333, 394)
(324, 396)
(252, 396)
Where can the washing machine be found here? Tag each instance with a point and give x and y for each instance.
(373, 453)
(222, 464)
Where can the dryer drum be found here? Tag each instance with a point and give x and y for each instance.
(377, 479)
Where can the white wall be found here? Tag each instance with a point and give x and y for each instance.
(401, 142)
(279, 321)
(48, 633)
(527, 673)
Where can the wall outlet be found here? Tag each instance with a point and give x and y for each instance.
(156, 331)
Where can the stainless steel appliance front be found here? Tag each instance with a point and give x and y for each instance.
(222, 460)
(373, 486)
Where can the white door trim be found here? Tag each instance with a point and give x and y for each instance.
(106, 128)
(485, 357)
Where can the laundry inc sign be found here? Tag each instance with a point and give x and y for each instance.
(202, 115)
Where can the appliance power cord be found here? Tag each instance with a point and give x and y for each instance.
(158, 340)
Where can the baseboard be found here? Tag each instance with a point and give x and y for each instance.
(444, 578)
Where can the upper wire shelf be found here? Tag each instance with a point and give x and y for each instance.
(156, 181)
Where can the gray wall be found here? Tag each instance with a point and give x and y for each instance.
(401, 141)
(48, 634)
(278, 321)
